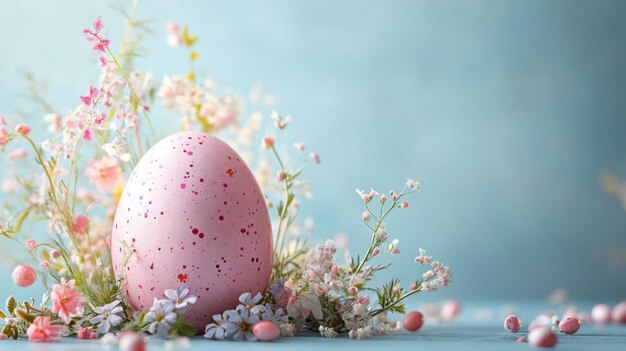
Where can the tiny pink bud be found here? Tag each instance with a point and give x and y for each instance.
(365, 217)
(376, 251)
(55, 254)
(24, 276)
(281, 176)
(80, 223)
(31, 245)
(268, 142)
(315, 157)
(22, 129)
(394, 197)
(352, 291)
(383, 199)
(44, 264)
(298, 146)
(405, 204)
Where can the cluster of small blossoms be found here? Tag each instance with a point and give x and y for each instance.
(199, 103)
(238, 324)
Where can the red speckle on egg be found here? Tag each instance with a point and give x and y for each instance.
(221, 218)
(182, 278)
(189, 153)
(183, 185)
(201, 235)
(195, 231)
(230, 172)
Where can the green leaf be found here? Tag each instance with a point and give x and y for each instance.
(25, 316)
(187, 329)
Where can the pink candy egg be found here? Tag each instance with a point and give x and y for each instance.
(542, 337)
(132, 342)
(569, 326)
(266, 331)
(619, 313)
(192, 213)
(450, 310)
(413, 321)
(601, 314)
(512, 323)
(24, 276)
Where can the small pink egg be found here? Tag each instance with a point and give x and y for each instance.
(571, 312)
(522, 339)
(413, 321)
(512, 323)
(619, 313)
(3, 336)
(601, 314)
(24, 276)
(569, 326)
(132, 342)
(450, 310)
(542, 337)
(266, 331)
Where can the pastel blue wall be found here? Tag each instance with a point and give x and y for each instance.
(508, 112)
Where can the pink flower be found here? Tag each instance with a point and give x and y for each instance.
(31, 245)
(383, 199)
(366, 197)
(66, 301)
(84, 333)
(104, 172)
(268, 142)
(376, 251)
(281, 176)
(80, 224)
(315, 158)
(24, 276)
(55, 254)
(298, 146)
(365, 217)
(91, 95)
(98, 44)
(405, 204)
(41, 330)
(22, 129)
(44, 264)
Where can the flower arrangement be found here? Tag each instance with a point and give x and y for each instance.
(83, 166)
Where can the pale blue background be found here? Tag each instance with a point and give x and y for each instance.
(507, 112)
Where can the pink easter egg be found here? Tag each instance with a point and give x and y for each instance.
(512, 323)
(192, 213)
(450, 310)
(413, 321)
(542, 337)
(132, 342)
(266, 331)
(569, 326)
(601, 314)
(619, 313)
(24, 276)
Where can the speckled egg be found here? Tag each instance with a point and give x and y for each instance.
(192, 213)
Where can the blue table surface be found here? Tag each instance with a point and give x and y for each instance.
(479, 327)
